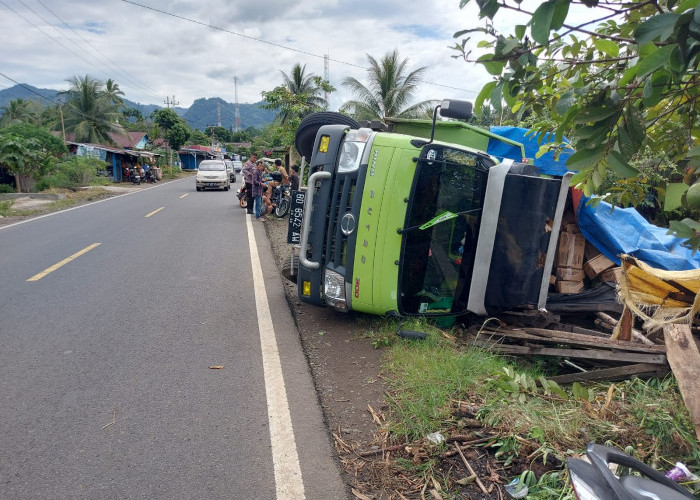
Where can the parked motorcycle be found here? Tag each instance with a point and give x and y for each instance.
(242, 198)
(149, 177)
(595, 481)
(281, 197)
(134, 176)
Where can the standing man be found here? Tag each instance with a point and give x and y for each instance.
(258, 185)
(248, 170)
(294, 178)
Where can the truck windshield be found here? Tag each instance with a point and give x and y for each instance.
(440, 232)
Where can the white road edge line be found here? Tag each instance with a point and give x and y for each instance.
(288, 480)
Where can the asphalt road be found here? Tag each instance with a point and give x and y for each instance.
(111, 315)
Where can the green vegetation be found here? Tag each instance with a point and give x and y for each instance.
(72, 173)
(389, 92)
(529, 419)
(624, 86)
(91, 111)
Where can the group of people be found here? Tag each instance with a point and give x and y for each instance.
(259, 183)
(143, 169)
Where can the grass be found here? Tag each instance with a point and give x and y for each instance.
(72, 198)
(427, 377)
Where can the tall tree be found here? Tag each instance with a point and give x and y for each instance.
(113, 94)
(389, 92)
(621, 85)
(615, 85)
(18, 111)
(89, 112)
(298, 96)
(27, 152)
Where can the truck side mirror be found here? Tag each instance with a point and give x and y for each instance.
(456, 109)
(449, 109)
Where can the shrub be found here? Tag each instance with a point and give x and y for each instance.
(6, 188)
(72, 173)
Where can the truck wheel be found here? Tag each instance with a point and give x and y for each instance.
(287, 269)
(306, 132)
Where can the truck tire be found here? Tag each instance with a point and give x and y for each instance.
(306, 132)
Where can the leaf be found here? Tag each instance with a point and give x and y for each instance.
(520, 31)
(607, 47)
(654, 88)
(658, 27)
(619, 165)
(496, 97)
(541, 23)
(656, 59)
(584, 159)
(565, 102)
(493, 67)
(595, 114)
(487, 8)
(484, 94)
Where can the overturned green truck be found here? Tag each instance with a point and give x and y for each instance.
(420, 220)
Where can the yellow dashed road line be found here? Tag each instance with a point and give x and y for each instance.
(51, 269)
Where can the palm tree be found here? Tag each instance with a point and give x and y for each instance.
(89, 112)
(389, 91)
(114, 93)
(304, 89)
(18, 111)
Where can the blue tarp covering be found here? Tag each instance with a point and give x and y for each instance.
(612, 232)
(545, 163)
(623, 230)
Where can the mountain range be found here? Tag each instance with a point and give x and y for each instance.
(204, 112)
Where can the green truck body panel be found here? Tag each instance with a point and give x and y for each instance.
(388, 183)
(451, 132)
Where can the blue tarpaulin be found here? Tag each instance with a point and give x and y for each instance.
(612, 232)
(545, 163)
(624, 230)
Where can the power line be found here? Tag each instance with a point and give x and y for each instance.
(152, 92)
(45, 33)
(273, 44)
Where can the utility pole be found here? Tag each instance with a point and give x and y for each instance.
(169, 103)
(325, 75)
(238, 114)
(218, 113)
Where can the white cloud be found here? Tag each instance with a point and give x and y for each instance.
(152, 54)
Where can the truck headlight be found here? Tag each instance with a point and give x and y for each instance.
(353, 147)
(334, 290)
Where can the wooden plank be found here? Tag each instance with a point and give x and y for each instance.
(626, 357)
(563, 327)
(553, 336)
(616, 373)
(684, 358)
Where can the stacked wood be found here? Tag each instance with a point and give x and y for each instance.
(610, 359)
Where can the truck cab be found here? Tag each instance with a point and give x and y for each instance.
(410, 224)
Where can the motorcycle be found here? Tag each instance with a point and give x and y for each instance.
(241, 195)
(595, 481)
(134, 176)
(281, 197)
(149, 177)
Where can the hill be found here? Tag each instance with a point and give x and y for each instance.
(201, 114)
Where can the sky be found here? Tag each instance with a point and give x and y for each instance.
(160, 50)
